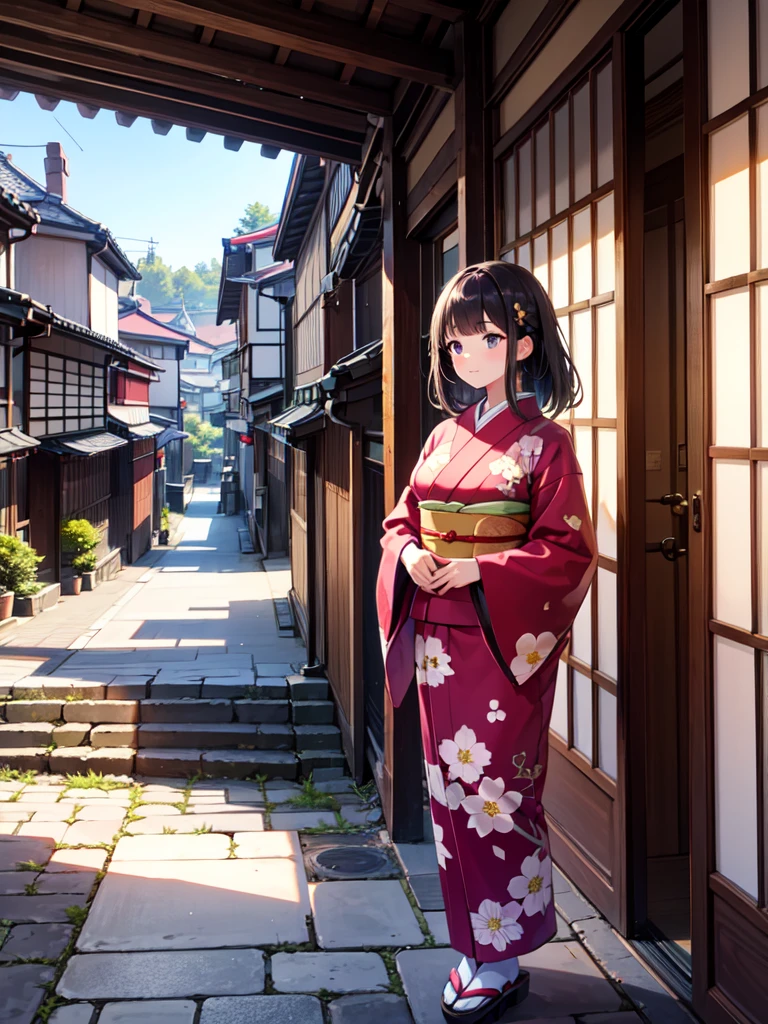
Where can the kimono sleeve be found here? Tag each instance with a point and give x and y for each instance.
(528, 597)
(401, 527)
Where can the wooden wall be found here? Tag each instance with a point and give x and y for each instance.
(54, 271)
(340, 590)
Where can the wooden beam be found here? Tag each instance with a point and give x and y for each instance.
(314, 34)
(446, 10)
(219, 122)
(126, 38)
(317, 118)
(284, 52)
(474, 179)
(373, 19)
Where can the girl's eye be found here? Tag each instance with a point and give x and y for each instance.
(492, 340)
(455, 347)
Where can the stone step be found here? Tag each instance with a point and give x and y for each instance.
(323, 764)
(107, 760)
(216, 736)
(161, 762)
(186, 710)
(26, 734)
(32, 711)
(317, 737)
(305, 688)
(312, 712)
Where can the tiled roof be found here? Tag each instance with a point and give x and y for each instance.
(217, 335)
(55, 212)
(143, 325)
(262, 235)
(12, 204)
(25, 313)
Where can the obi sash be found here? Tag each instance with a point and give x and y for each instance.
(454, 530)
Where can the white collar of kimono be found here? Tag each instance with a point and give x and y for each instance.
(482, 418)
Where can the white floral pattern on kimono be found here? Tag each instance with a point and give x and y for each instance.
(441, 850)
(492, 809)
(447, 796)
(531, 652)
(432, 663)
(495, 925)
(465, 757)
(534, 885)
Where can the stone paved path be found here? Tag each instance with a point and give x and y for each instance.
(140, 900)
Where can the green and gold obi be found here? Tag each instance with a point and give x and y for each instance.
(453, 530)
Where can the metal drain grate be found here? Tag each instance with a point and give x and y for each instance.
(351, 862)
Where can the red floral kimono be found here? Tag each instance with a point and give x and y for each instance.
(485, 659)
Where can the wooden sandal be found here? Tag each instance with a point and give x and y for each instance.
(513, 993)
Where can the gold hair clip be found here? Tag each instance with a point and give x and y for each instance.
(520, 314)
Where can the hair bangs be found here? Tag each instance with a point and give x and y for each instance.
(472, 301)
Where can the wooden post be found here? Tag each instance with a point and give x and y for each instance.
(401, 398)
(473, 156)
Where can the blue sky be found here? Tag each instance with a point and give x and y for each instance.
(187, 195)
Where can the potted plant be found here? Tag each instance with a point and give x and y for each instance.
(18, 572)
(165, 524)
(6, 604)
(80, 539)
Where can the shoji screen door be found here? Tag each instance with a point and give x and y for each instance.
(736, 151)
(558, 222)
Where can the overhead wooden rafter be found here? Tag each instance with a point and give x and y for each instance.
(287, 74)
(126, 38)
(319, 118)
(316, 34)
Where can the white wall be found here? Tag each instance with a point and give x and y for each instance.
(165, 392)
(54, 271)
(103, 300)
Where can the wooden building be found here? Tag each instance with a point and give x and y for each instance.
(17, 221)
(331, 227)
(133, 515)
(253, 293)
(617, 148)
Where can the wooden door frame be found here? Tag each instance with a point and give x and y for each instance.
(700, 575)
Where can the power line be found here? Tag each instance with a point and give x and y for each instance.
(58, 122)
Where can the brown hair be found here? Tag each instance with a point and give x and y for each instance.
(512, 299)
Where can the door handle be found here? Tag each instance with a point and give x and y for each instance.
(668, 548)
(677, 502)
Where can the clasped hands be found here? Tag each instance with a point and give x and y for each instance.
(438, 575)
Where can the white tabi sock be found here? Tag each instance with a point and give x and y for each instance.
(494, 975)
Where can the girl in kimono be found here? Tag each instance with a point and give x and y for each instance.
(486, 560)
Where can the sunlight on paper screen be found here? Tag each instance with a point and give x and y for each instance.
(732, 558)
(541, 260)
(524, 188)
(581, 347)
(559, 721)
(581, 633)
(582, 255)
(729, 199)
(606, 248)
(559, 290)
(582, 714)
(606, 361)
(735, 764)
(607, 470)
(730, 369)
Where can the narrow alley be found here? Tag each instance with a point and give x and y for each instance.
(179, 842)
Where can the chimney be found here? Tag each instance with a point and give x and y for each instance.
(56, 170)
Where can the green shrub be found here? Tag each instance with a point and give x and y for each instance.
(165, 518)
(79, 536)
(84, 563)
(18, 566)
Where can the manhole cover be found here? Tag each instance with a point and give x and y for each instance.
(351, 862)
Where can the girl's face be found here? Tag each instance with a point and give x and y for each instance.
(481, 359)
